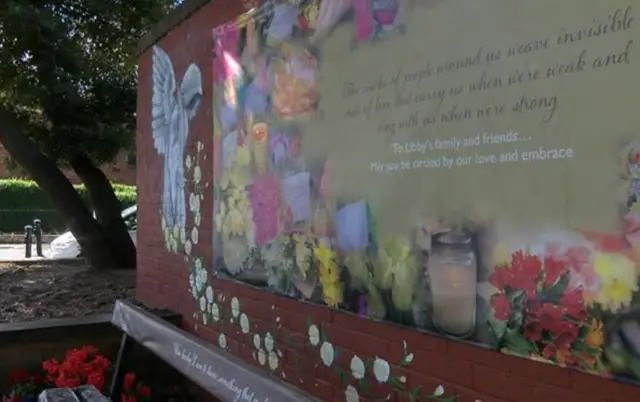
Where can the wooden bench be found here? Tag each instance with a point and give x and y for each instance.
(219, 373)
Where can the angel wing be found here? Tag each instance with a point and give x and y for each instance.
(163, 100)
(191, 90)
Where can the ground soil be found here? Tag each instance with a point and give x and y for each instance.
(52, 289)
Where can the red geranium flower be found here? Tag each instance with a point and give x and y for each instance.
(522, 274)
(144, 391)
(132, 392)
(553, 270)
(129, 380)
(501, 306)
(18, 376)
(80, 366)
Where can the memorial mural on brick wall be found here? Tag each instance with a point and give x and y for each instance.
(480, 183)
(173, 104)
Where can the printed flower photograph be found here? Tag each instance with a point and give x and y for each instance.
(540, 309)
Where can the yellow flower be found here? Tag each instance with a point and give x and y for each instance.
(618, 280)
(501, 255)
(397, 269)
(595, 337)
(243, 156)
(303, 254)
(356, 264)
(329, 275)
(324, 255)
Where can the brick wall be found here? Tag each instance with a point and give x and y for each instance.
(246, 317)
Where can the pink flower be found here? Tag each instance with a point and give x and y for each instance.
(632, 232)
(265, 201)
(225, 45)
(578, 259)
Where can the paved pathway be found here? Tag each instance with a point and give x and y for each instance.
(15, 252)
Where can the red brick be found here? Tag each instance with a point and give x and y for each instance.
(501, 384)
(475, 354)
(438, 365)
(357, 341)
(469, 395)
(550, 393)
(321, 389)
(543, 372)
(589, 384)
(427, 384)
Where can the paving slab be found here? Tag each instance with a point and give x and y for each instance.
(15, 253)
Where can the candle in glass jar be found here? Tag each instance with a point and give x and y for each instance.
(452, 269)
(454, 298)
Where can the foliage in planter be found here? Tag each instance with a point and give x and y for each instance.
(80, 366)
(21, 201)
(134, 391)
(24, 385)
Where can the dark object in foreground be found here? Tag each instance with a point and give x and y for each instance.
(28, 232)
(37, 231)
(84, 393)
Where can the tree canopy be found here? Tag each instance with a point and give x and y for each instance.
(69, 68)
(68, 98)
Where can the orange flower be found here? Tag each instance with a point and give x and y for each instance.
(595, 337)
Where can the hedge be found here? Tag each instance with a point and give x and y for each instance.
(22, 201)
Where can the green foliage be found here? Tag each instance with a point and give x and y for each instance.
(68, 68)
(21, 201)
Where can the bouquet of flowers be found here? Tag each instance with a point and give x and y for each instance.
(80, 366)
(134, 391)
(538, 314)
(24, 386)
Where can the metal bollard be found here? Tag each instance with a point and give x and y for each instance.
(28, 232)
(37, 231)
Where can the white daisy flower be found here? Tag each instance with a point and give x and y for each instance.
(439, 391)
(244, 323)
(194, 235)
(357, 368)
(197, 174)
(326, 353)
(273, 360)
(222, 341)
(262, 357)
(314, 335)
(215, 312)
(351, 394)
(381, 370)
(268, 342)
(235, 307)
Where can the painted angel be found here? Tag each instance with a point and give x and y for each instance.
(172, 108)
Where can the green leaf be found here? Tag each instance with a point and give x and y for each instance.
(414, 393)
(557, 290)
(498, 328)
(516, 342)
(517, 298)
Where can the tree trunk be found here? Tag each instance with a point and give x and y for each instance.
(107, 208)
(64, 197)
